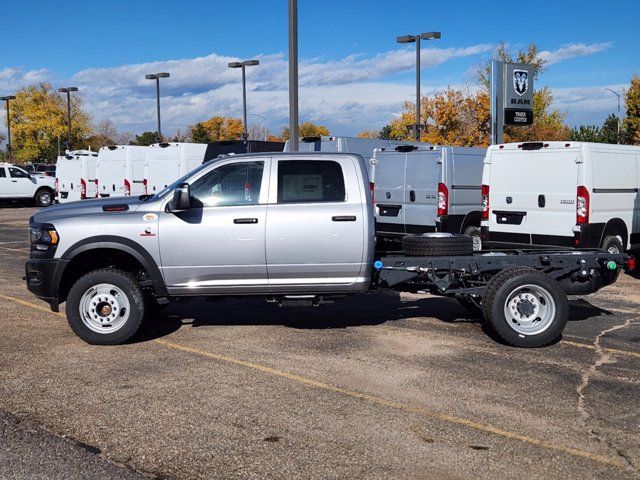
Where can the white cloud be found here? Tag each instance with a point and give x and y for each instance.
(11, 79)
(573, 50)
(587, 105)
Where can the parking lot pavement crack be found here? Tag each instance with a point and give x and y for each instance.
(603, 357)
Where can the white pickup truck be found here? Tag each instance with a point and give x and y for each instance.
(18, 184)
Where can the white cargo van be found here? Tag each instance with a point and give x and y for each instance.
(120, 170)
(566, 194)
(428, 188)
(166, 162)
(362, 146)
(76, 176)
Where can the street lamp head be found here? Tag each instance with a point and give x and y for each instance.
(234, 64)
(150, 76)
(406, 39)
(430, 35)
(68, 89)
(248, 63)
(8, 97)
(163, 75)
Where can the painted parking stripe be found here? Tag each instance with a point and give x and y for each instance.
(400, 406)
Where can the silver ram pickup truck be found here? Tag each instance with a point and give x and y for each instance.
(296, 228)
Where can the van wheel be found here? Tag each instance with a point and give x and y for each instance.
(43, 197)
(474, 233)
(105, 307)
(612, 244)
(437, 245)
(525, 308)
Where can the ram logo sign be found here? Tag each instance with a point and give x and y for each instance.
(521, 81)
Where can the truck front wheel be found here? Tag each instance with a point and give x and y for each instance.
(525, 308)
(105, 307)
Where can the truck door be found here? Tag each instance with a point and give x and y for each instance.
(316, 225)
(421, 191)
(218, 246)
(20, 183)
(5, 181)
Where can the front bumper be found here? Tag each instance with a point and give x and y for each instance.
(43, 278)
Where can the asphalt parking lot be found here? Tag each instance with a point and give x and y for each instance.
(379, 386)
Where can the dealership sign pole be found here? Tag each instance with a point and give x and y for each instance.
(511, 97)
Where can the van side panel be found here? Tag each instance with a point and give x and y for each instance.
(613, 185)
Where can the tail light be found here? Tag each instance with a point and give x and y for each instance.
(485, 202)
(582, 205)
(83, 189)
(55, 187)
(127, 187)
(631, 263)
(372, 189)
(443, 200)
(144, 186)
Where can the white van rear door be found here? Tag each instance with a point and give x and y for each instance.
(389, 191)
(423, 173)
(533, 192)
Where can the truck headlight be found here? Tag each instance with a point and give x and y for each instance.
(42, 237)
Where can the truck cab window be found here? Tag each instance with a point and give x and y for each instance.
(302, 181)
(17, 173)
(3, 173)
(229, 185)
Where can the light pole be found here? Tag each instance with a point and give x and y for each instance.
(411, 39)
(243, 65)
(68, 91)
(266, 124)
(293, 75)
(157, 77)
(617, 95)
(7, 99)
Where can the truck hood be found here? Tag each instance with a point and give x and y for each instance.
(87, 207)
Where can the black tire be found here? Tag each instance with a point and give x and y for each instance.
(472, 304)
(474, 233)
(43, 197)
(497, 297)
(128, 285)
(612, 244)
(437, 245)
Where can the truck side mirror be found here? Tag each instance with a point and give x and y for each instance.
(181, 200)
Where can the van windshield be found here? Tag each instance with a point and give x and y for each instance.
(182, 179)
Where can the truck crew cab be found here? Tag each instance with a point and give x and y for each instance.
(18, 184)
(294, 228)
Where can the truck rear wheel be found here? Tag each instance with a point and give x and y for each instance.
(105, 307)
(437, 245)
(525, 308)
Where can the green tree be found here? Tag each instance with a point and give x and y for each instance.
(631, 123)
(145, 139)
(385, 132)
(39, 123)
(610, 129)
(530, 55)
(586, 133)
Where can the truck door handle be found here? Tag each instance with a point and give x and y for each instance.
(346, 218)
(245, 220)
(542, 201)
(412, 196)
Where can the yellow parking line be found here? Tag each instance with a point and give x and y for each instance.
(616, 351)
(405, 407)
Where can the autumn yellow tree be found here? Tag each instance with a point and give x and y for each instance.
(306, 129)
(368, 134)
(39, 123)
(216, 129)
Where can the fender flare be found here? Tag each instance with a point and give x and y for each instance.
(124, 245)
(616, 225)
(471, 219)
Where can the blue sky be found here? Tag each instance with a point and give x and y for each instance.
(353, 74)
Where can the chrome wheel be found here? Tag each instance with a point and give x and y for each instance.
(45, 199)
(104, 308)
(529, 309)
(614, 249)
(477, 243)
